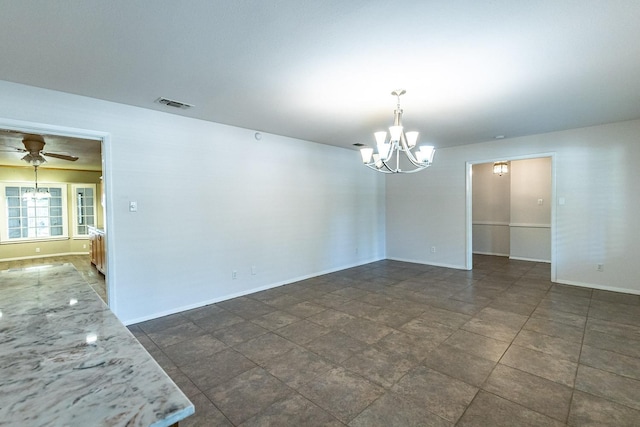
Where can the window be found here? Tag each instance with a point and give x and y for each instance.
(84, 208)
(34, 219)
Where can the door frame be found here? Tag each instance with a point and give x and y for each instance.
(105, 148)
(469, 204)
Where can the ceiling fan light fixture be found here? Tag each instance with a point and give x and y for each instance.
(34, 160)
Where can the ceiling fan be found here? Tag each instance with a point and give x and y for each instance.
(34, 146)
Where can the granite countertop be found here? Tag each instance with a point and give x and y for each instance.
(66, 360)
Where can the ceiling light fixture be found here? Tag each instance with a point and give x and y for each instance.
(34, 159)
(399, 141)
(36, 193)
(500, 168)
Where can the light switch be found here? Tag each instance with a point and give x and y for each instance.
(540, 202)
(133, 206)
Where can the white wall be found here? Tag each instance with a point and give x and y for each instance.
(596, 174)
(530, 224)
(491, 211)
(211, 200)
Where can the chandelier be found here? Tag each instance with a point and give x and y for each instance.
(500, 168)
(36, 193)
(387, 158)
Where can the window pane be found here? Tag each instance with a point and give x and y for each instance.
(55, 211)
(12, 191)
(13, 223)
(14, 212)
(14, 233)
(56, 231)
(55, 201)
(55, 192)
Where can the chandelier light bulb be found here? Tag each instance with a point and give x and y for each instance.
(367, 154)
(427, 151)
(381, 137)
(376, 160)
(412, 138)
(396, 132)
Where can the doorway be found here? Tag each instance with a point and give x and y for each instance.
(513, 224)
(86, 145)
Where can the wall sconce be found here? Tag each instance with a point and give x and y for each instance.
(500, 167)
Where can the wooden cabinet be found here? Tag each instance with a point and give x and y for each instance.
(97, 249)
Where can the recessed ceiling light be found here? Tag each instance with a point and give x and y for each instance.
(499, 137)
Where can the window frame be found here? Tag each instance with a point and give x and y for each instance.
(74, 210)
(4, 212)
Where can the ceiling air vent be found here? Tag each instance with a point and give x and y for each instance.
(171, 103)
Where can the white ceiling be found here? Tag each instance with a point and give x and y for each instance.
(323, 71)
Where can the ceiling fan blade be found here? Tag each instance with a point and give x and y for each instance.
(61, 156)
(12, 150)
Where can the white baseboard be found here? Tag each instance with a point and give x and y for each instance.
(530, 259)
(490, 253)
(434, 264)
(599, 287)
(245, 292)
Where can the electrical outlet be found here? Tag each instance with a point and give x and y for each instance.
(37, 250)
(84, 246)
(253, 270)
(600, 267)
(234, 274)
(433, 249)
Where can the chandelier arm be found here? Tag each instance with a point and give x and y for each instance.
(409, 153)
(418, 169)
(371, 166)
(391, 170)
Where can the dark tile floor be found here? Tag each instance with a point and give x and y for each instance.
(399, 344)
